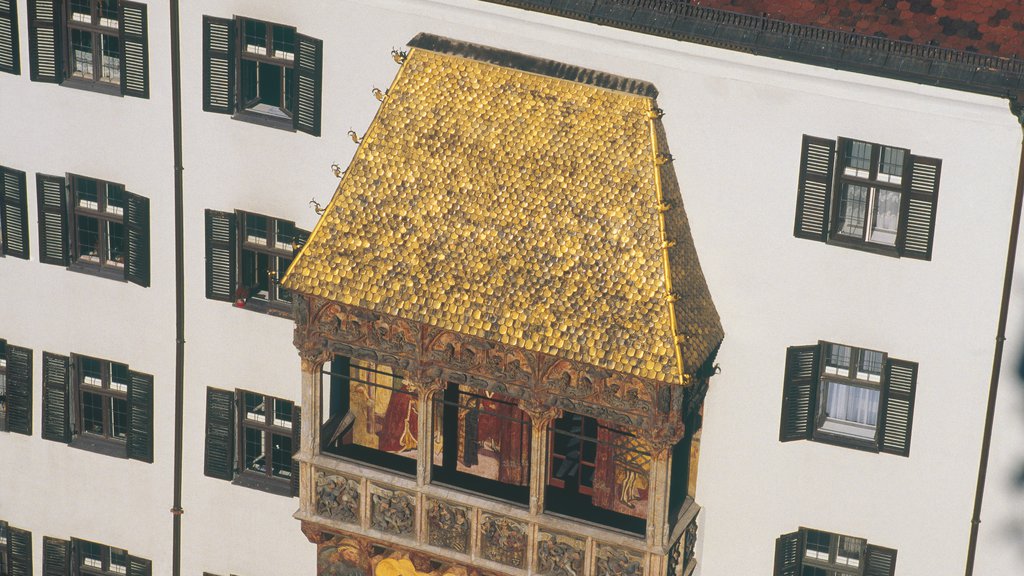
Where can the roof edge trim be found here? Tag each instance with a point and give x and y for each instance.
(524, 63)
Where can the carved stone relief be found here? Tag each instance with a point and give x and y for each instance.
(612, 561)
(559, 555)
(503, 540)
(392, 511)
(337, 497)
(448, 526)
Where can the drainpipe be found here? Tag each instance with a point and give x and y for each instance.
(1017, 107)
(179, 287)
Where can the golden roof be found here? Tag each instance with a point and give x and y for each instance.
(522, 208)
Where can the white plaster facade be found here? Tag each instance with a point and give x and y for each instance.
(734, 124)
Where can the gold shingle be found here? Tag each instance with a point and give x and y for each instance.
(520, 208)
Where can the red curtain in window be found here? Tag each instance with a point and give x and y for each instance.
(605, 493)
(511, 465)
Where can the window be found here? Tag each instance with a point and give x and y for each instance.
(267, 437)
(262, 72)
(15, 389)
(95, 44)
(93, 226)
(10, 53)
(246, 257)
(809, 552)
(848, 396)
(867, 196)
(15, 551)
(482, 442)
(98, 405)
(13, 213)
(597, 473)
(369, 413)
(76, 557)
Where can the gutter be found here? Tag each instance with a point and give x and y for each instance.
(179, 286)
(1017, 107)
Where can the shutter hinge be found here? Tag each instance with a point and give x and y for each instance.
(177, 511)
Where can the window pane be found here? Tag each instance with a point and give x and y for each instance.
(858, 158)
(282, 456)
(116, 240)
(255, 36)
(250, 83)
(86, 193)
(255, 408)
(870, 365)
(270, 84)
(119, 377)
(838, 360)
(91, 554)
(282, 269)
(80, 11)
(818, 544)
(850, 551)
(284, 42)
(118, 561)
(283, 413)
(885, 217)
(254, 457)
(111, 62)
(92, 371)
(119, 418)
(254, 273)
(285, 234)
(890, 165)
(92, 413)
(88, 238)
(849, 410)
(108, 12)
(256, 229)
(853, 202)
(81, 54)
(115, 198)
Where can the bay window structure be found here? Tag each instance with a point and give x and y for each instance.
(15, 551)
(867, 196)
(13, 214)
(98, 405)
(246, 256)
(262, 72)
(369, 413)
(808, 552)
(93, 226)
(15, 389)
(848, 396)
(95, 44)
(77, 557)
(250, 439)
(481, 441)
(490, 372)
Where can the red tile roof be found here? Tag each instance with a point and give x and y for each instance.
(993, 27)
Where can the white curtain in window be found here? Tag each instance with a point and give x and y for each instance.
(887, 215)
(852, 404)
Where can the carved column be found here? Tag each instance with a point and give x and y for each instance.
(309, 434)
(425, 392)
(541, 417)
(658, 485)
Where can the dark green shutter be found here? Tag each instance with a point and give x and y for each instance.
(879, 561)
(220, 434)
(56, 557)
(19, 390)
(44, 41)
(19, 552)
(220, 255)
(814, 191)
(139, 566)
(134, 50)
(53, 220)
(218, 65)
(897, 407)
(14, 216)
(136, 222)
(788, 552)
(10, 52)
(309, 64)
(296, 446)
(919, 213)
(56, 397)
(799, 393)
(140, 417)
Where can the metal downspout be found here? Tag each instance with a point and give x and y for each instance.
(997, 358)
(179, 286)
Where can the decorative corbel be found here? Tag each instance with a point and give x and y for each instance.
(314, 534)
(541, 414)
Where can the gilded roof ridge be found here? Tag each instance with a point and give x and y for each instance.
(532, 64)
